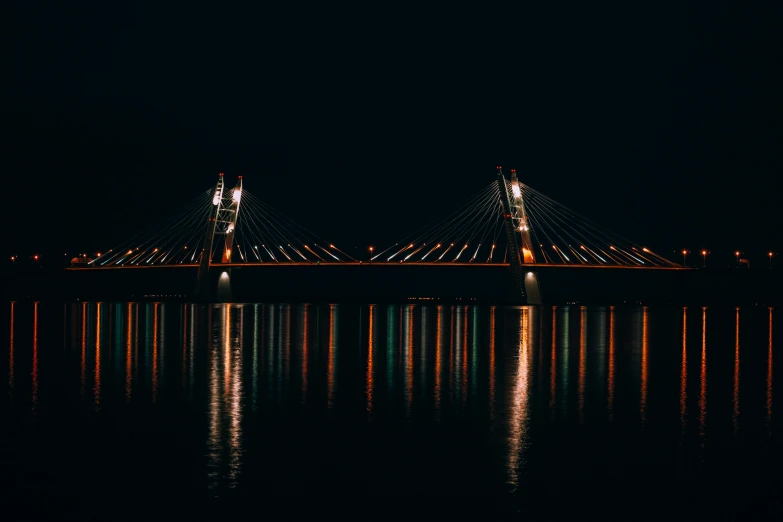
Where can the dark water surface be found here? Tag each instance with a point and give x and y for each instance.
(162, 410)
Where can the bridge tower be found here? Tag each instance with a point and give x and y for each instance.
(222, 221)
(524, 283)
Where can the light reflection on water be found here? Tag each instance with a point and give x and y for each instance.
(224, 444)
(520, 393)
(11, 364)
(516, 376)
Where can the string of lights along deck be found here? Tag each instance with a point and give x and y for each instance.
(547, 232)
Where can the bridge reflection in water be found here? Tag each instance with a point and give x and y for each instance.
(510, 389)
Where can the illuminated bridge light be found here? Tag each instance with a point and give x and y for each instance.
(540, 216)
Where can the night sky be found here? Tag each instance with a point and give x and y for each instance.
(663, 123)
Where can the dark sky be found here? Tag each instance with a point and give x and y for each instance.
(662, 122)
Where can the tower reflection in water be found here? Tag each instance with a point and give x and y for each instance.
(519, 414)
(224, 442)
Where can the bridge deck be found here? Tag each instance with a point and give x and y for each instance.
(373, 263)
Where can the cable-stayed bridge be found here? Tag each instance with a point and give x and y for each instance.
(507, 224)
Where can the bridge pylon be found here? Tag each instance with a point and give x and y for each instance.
(524, 286)
(222, 221)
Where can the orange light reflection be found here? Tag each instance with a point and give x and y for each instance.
(438, 358)
(83, 375)
(408, 325)
(703, 378)
(184, 346)
(128, 352)
(610, 398)
(11, 354)
(330, 363)
(304, 353)
(155, 352)
(684, 373)
(35, 355)
(464, 379)
(582, 361)
(97, 376)
(519, 414)
(769, 377)
(452, 342)
(491, 363)
(735, 412)
(370, 384)
(645, 367)
(553, 365)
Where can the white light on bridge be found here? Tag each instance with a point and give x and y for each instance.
(515, 190)
(237, 194)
